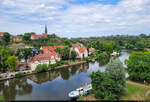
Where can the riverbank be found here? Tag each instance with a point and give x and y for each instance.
(134, 91)
(30, 72)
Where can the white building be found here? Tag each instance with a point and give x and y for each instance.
(80, 50)
(49, 58)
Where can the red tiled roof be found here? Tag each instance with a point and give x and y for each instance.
(51, 48)
(81, 49)
(91, 49)
(2, 33)
(37, 36)
(44, 57)
(75, 44)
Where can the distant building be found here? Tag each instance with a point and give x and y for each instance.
(40, 35)
(17, 38)
(2, 33)
(80, 50)
(114, 54)
(47, 49)
(49, 58)
(91, 50)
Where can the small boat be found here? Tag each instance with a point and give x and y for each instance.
(80, 91)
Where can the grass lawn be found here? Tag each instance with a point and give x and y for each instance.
(1, 98)
(134, 91)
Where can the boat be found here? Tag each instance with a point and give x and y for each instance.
(80, 91)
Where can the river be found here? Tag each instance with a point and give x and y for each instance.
(53, 85)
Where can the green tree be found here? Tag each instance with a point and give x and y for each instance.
(27, 36)
(4, 53)
(109, 85)
(138, 66)
(73, 55)
(11, 62)
(6, 38)
(64, 52)
(24, 53)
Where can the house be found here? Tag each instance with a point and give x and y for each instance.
(17, 38)
(91, 50)
(49, 58)
(47, 49)
(114, 54)
(33, 37)
(80, 50)
(2, 33)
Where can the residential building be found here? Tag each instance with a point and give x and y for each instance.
(91, 50)
(40, 35)
(49, 58)
(47, 49)
(80, 50)
(17, 38)
(2, 33)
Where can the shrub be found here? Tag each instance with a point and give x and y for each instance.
(41, 68)
(52, 65)
(19, 74)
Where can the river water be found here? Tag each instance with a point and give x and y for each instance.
(53, 85)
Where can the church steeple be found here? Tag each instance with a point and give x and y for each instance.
(45, 29)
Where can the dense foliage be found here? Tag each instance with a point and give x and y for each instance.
(6, 38)
(24, 53)
(12, 63)
(19, 74)
(5, 53)
(138, 66)
(73, 55)
(41, 68)
(109, 85)
(64, 52)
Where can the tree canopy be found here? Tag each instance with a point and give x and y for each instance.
(138, 66)
(111, 83)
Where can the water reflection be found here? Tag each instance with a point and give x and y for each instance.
(103, 62)
(11, 88)
(64, 73)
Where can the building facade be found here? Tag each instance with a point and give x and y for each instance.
(49, 58)
(80, 50)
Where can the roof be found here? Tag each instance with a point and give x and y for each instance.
(51, 48)
(2, 33)
(37, 36)
(44, 57)
(81, 49)
(91, 49)
(76, 44)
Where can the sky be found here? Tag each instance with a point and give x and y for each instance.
(75, 18)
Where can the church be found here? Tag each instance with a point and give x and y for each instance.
(40, 35)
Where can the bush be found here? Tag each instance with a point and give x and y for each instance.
(102, 56)
(41, 68)
(52, 65)
(19, 74)
(88, 60)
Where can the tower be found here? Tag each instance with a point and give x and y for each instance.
(45, 29)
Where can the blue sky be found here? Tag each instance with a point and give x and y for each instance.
(75, 18)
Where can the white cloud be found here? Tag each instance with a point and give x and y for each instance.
(67, 19)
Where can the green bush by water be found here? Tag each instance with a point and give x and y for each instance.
(41, 68)
(19, 74)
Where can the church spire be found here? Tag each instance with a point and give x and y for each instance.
(45, 29)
